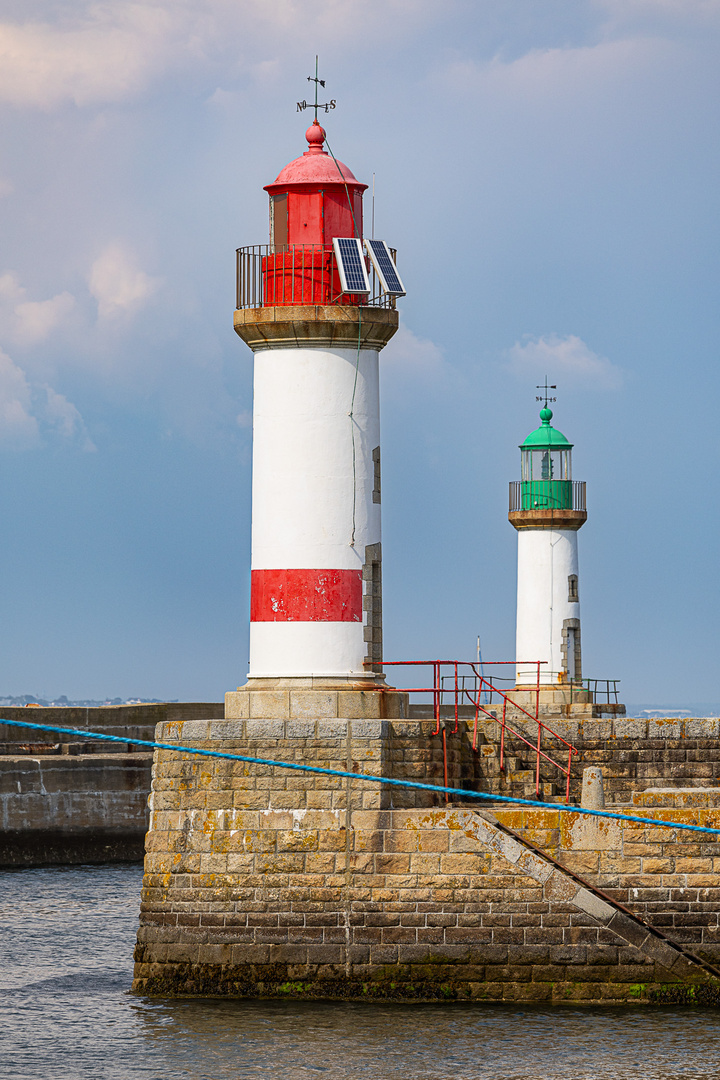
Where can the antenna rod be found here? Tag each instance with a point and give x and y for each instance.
(373, 208)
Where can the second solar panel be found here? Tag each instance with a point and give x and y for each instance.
(385, 267)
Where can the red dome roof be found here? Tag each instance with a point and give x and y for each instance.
(315, 166)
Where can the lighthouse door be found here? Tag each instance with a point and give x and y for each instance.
(571, 645)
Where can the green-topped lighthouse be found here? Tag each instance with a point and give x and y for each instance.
(547, 507)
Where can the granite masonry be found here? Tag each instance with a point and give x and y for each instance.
(64, 799)
(266, 882)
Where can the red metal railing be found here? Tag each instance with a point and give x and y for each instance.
(472, 688)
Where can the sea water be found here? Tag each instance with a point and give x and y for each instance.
(66, 1012)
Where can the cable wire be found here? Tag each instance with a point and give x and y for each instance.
(347, 190)
(357, 357)
(352, 431)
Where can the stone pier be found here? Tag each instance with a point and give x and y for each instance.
(265, 882)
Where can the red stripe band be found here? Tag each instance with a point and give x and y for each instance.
(306, 596)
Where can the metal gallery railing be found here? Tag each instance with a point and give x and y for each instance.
(456, 683)
(298, 274)
(604, 691)
(547, 495)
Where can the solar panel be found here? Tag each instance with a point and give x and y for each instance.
(385, 268)
(351, 265)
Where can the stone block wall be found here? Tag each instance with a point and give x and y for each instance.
(64, 799)
(668, 877)
(264, 882)
(128, 721)
(407, 748)
(73, 809)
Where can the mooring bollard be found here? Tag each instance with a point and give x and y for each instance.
(593, 792)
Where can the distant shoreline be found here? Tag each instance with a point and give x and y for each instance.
(63, 702)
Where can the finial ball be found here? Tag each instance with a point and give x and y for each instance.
(546, 415)
(315, 136)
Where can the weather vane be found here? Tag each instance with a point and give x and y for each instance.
(327, 106)
(544, 397)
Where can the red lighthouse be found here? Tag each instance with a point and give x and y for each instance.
(316, 305)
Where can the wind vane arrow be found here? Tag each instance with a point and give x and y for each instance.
(327, 106)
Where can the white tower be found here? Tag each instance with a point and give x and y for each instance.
(547, 507)
(316, 323)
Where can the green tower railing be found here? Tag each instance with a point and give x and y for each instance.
(547, 495)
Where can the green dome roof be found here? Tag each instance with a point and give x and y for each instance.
(546, 437)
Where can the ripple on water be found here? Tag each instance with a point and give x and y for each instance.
(66, 964)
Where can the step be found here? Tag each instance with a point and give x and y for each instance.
(522, 776)
(547, 792)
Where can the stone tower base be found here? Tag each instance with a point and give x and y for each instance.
(562, 701)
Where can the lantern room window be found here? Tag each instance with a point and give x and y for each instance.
(546, 465)
(279, 221)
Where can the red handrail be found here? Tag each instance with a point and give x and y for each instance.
(483, 684)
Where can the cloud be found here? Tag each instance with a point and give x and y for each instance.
(566, 77)
(18, 427)
(687, 11)
(567, 358)
(29, 321)
(627, 42)
(11, 291)
(37, 318)
(108, 53)
(29, 412)
(117, 284)
(61, 416)
(408, 356)
(97, 53)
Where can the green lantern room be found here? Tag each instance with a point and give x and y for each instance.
(546, 462)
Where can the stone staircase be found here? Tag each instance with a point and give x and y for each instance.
(482, 770)
(635, 756)
(516, 778)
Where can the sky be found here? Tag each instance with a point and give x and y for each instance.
(547, 170)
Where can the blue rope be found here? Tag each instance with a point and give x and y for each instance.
(364, 776)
